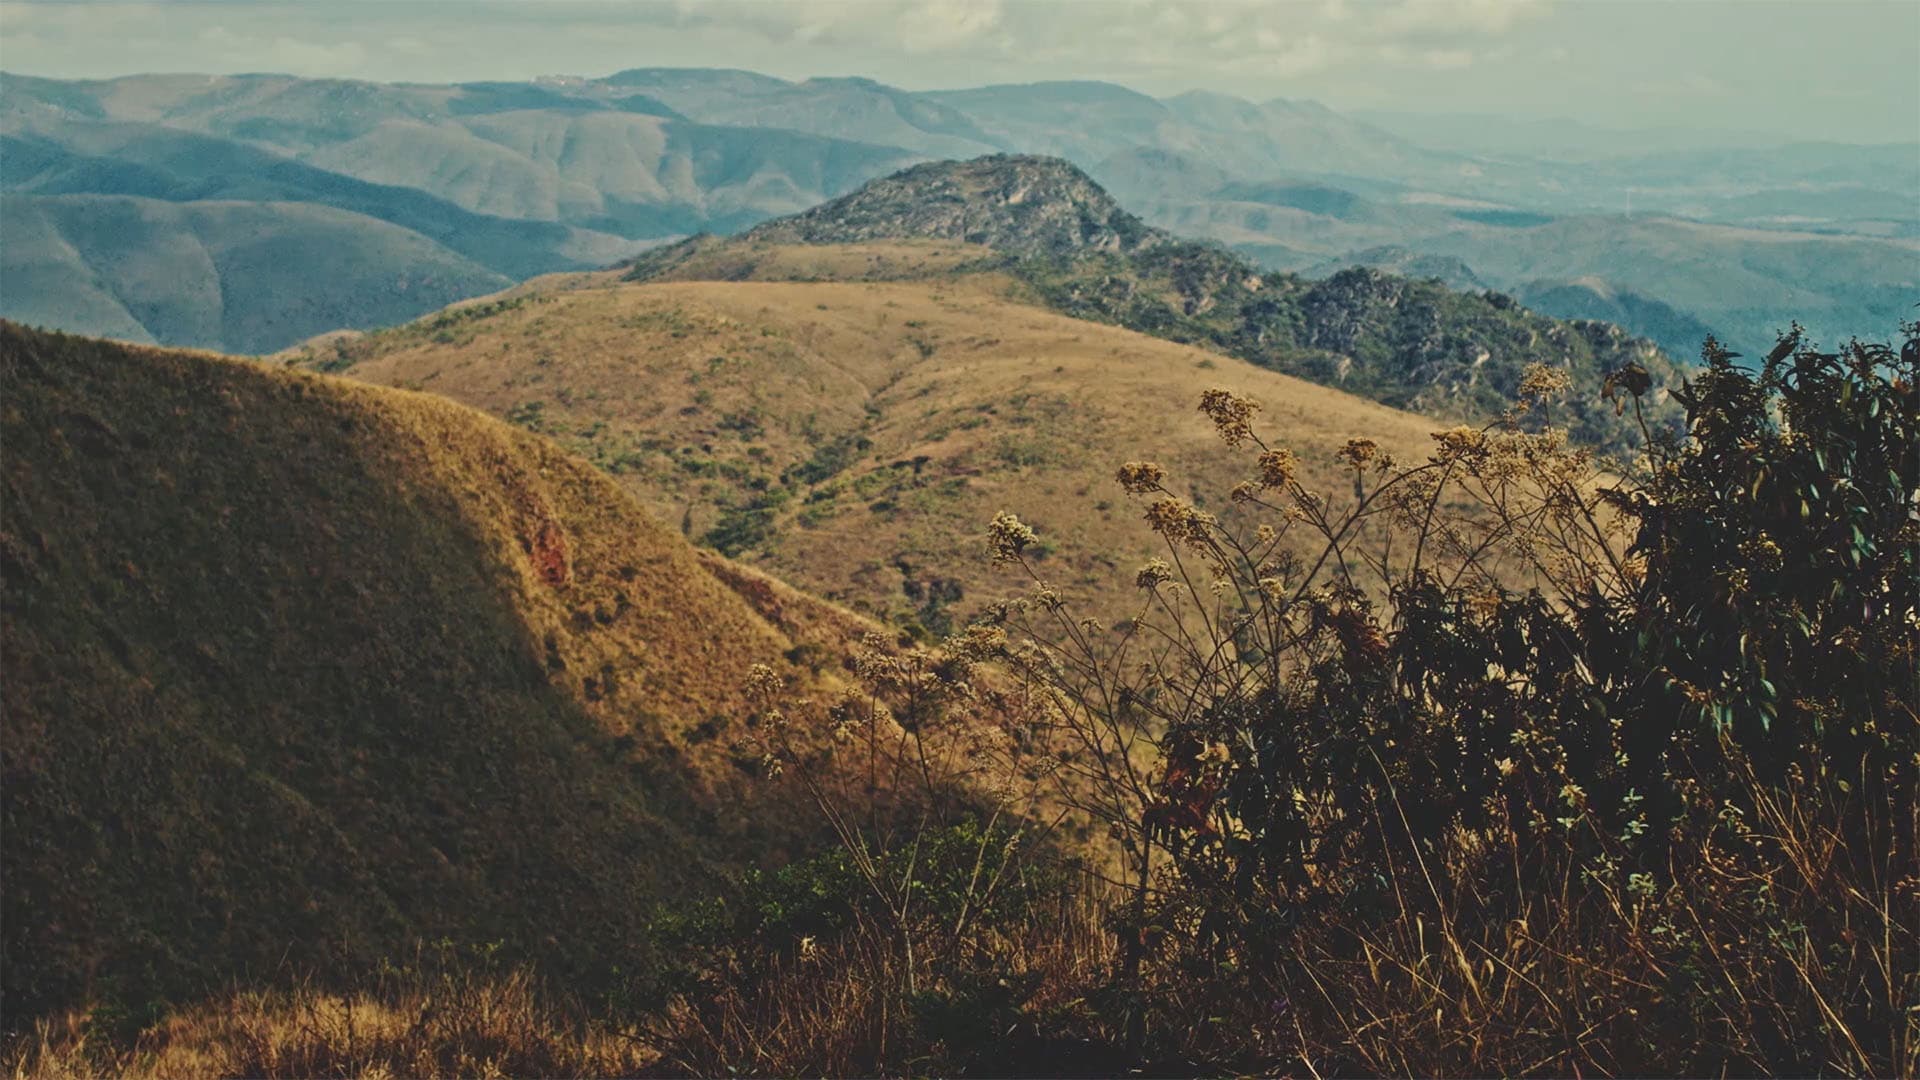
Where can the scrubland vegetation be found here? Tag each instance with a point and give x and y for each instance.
(1504, 757)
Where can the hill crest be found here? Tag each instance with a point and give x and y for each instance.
(1412, 344)
(1017, 204)
(301, 670)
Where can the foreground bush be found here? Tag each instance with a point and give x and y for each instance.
(1526, 759)
(1512, 760)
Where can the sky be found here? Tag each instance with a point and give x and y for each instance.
(1840, 70)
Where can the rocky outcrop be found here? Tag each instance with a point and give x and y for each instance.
(1018, 205)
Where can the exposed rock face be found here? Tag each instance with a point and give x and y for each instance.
(1018, 205)
(1341, 310)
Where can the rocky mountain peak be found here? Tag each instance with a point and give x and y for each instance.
(1018, 204)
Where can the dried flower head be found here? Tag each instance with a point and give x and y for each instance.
(979, 641)
(1762, 552)
(1544, 382)
(1179, 521)
(1460, 442)
(763, 685)
(1154, 574)
(1140, 477)
(1358, 452)
(1276, 469)
(1007, 537)
(1232, 414)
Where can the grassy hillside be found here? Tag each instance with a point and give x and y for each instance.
(300, 671)
(1412, 344)
(856, 437)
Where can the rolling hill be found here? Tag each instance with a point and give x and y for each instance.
(241, 276)
(1413, 344)
(302, 671)
(855, 436)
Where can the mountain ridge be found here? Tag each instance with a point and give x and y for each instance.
(654, 154)
(1414, 344)
(1015, 204)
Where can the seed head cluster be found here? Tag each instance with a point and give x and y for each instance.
(1232, 414)
(1008, 537)
(1140, 477)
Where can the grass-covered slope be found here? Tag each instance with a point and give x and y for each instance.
(855, 437)
(1411, 344)
(298, 671)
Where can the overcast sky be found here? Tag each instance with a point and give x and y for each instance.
(1832, 69)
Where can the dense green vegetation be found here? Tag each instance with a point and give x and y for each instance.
(1413, 344)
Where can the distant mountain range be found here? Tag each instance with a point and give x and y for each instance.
(249, 212)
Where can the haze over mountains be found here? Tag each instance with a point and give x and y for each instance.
(152, 207)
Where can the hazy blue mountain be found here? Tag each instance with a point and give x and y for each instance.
(1675, 232)
(235, 276)
(849, 108)
(1550, 139)
(462, 188)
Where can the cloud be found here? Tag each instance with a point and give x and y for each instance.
(1157, 41)
(928, 26)
(293, 56)
(914, 25)
(1445, 18)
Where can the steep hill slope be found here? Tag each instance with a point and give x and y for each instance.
(299, 671)
(855, 437)
(1412, 344)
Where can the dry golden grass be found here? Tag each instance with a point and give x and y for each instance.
(880, 260)
(459, 1024)
(299, 669)
(698, 395)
